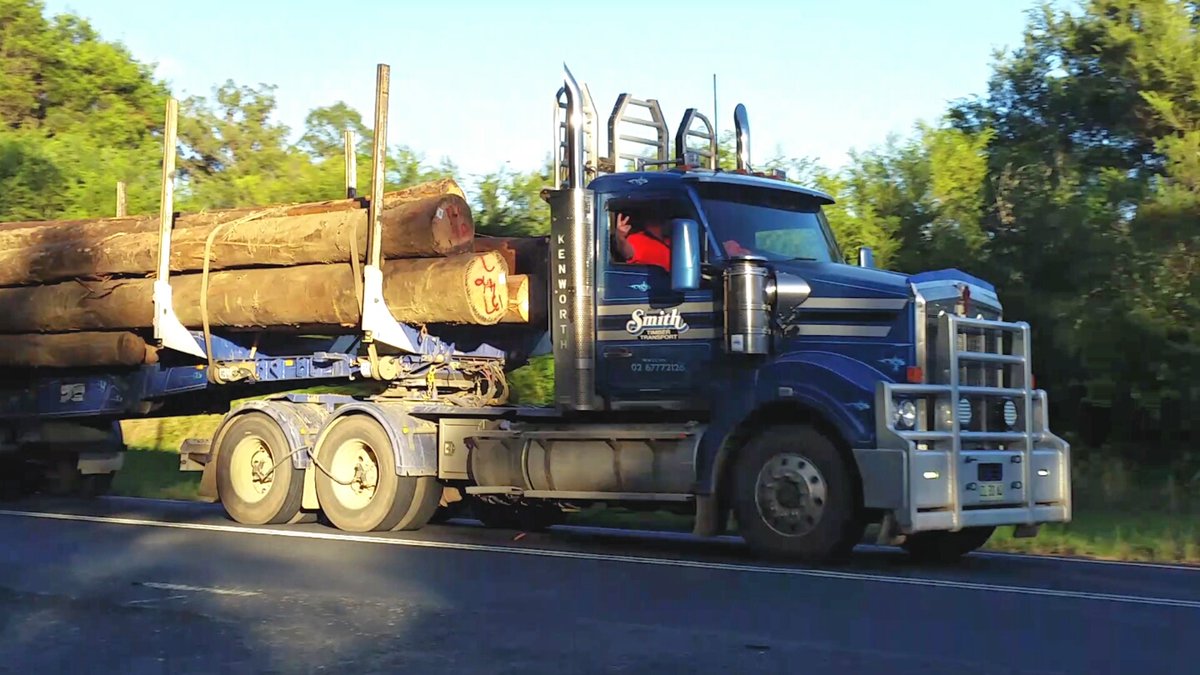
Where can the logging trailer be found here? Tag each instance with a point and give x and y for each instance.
(804, 397)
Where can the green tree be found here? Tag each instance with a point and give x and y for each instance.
(77, 114)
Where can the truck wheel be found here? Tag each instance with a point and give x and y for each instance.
(96, 484)
(63, 478)
(364, 493)
(257, 482)
(946, 547)
(427, 494)
(794, 496)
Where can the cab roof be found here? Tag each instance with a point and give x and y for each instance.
(660, 179)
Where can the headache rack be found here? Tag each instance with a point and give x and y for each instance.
(638, 137)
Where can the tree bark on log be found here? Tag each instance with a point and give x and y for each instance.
(72, 350)
(435, 225)
(468, 288)
(435, 188)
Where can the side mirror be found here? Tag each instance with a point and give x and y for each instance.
(685, 255)
(866, 257)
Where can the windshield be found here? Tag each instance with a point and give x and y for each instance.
(774, 224)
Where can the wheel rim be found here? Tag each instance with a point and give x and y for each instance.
(250, 470)
(790, 494)
(356, 465)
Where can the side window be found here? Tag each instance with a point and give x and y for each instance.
(639, 230)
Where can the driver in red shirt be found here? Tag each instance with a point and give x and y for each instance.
(650, 246)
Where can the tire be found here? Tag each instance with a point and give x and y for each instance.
(62, 478)
(946, 547)
(376, 499)
(96, 485)
(809, 503)
(427, 495)
(248, 490)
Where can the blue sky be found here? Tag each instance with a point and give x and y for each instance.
(474, 81)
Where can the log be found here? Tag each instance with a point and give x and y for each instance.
(434, 188)
(524, 255)
(495, 244)
(526, 299)
(518, 299)
(74, 350)
(435, 225)
(469, 288)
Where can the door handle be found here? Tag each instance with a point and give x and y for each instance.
(618, 353)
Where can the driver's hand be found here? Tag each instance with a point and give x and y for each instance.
(623, 225)
(734, 248)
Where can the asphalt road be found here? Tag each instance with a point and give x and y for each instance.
(137, 586)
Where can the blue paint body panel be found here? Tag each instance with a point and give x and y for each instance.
(856, 328)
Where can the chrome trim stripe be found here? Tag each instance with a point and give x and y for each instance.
(693, 334)
(613, 309)
(854, 303)
(836, 330)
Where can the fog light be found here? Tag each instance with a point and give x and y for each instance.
(964, 412)
(931, 475)
(904, 416)
(1043, 472)
(1010, 413)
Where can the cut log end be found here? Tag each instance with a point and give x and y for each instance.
(487, 283)
(518, 299)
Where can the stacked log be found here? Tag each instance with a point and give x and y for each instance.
(76, 293)
(528, 259)
(415, 225)
(468, 288)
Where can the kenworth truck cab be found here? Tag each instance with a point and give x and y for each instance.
(829, 395)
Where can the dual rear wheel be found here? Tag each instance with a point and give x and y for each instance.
(355, 477)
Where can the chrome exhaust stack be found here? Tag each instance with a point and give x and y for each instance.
(572, 251)
(741, 125)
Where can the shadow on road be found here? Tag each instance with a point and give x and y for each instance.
(134, 599)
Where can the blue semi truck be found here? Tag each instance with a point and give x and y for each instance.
(759, 380)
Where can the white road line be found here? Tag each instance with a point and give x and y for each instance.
(196, 589)
(146, 601)
(730, 539)
(637, 560)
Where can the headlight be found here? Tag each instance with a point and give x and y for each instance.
(904, 414)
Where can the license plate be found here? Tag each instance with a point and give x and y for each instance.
(991, 491)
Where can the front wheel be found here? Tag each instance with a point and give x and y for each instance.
(946, 547)
(794, 496)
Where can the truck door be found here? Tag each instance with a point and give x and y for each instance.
(654, 346)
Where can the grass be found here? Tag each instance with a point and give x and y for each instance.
(1121, 512)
